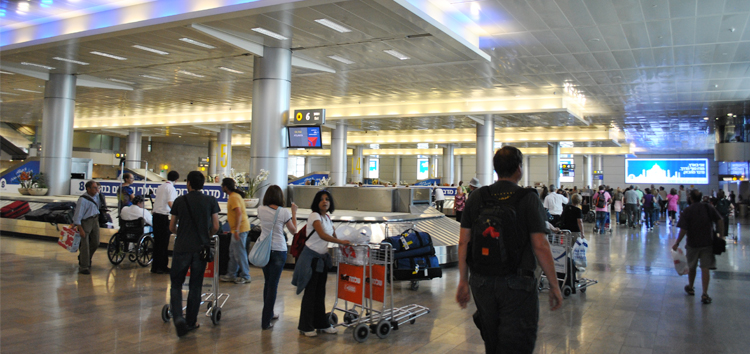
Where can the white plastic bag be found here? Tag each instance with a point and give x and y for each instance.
(357, 236)
(579, 254)
(680, 262)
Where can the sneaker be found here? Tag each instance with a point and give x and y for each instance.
(275, 317)
(269, 326)
(310, 334)
(241, 280)
(227, 278)
(330, 330)
(84, 271)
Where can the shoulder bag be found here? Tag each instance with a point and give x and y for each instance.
(719, 244)
(261, 252)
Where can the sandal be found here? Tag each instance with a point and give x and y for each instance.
(689, 290)
(706, 299)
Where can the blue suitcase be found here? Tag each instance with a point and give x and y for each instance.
(409, 240)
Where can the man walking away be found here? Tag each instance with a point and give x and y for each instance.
(439, 199)
(723, 206)
(554, 204)
(697, 223)
(197, 215)
(632, 206)
(165, 197)
(683, 198)
(602, 200)
(86, 220)
(506, 226)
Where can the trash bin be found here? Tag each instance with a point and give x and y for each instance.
(743, 210)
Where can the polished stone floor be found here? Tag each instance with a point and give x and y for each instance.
(638, 307)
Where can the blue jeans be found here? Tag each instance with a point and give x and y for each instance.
(272, 273)
(649, 214)
(617, 217)
(601, 220)
(238, 265)
(507, 312)
(181, 262)
(656, 215)
(683, 205)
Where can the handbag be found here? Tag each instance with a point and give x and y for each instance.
(261, 252)
(719, 245)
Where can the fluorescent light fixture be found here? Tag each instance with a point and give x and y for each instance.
(9, 93)
(396, 54)
(71, 61)
(194, 42)
(6, 73)
(269, 33)
(333, 25)
(121, 81)
(25, 90)
(189, 73)
(152, 50)
(109, 55)
(38, 65)
(154, 77)
(343, 60)
(231, 70)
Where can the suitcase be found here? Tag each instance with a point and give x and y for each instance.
(60, 206)
(15, 210)
(224, 240)
(417, 268)
(60, 217)
(37, 215)
(428, 250)
(409, 240)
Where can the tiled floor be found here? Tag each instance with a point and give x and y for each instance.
(637, 307)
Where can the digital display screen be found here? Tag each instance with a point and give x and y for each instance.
(305, 137)
(567, 170)
(667, 171)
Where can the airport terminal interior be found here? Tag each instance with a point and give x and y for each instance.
(391, 106)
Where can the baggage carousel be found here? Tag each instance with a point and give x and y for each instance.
(443, 230)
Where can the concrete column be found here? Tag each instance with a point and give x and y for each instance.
(526, 164)
(600, 167)
(338, 154)
(485, 150)
(397, 170)
(458, 168)
(308, 164)
(588, 171)
(213, 156)
(366, 167)
(271, 92)
(134, 149)
(224, 151)
(358, 167)
(448, 164)
(57, 132)
(553, 164)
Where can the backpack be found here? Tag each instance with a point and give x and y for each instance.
(600, 201)
(497, 245)
(298, 242)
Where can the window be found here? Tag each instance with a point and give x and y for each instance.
(374, 168)
(423, 169)
(296, 166)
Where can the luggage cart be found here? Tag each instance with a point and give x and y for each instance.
(398, 228)
(561, 246)
(212, 298)
(364, 278)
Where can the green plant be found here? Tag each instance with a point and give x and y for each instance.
(40, 181)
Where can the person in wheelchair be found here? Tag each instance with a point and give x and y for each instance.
(133, 213)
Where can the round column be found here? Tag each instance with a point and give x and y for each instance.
(553, 164)
(457, 161)
(338, 154)
(224, 151)
(366, 167)
(397, 170)
(588, 170)
(213, 156)
(526, 163)
(600, 167)
(448, 164)
(57, 132)
(485, 150)
(357, 165)
(271, 91)
(134, 149)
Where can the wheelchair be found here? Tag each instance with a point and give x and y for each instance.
(133, 242)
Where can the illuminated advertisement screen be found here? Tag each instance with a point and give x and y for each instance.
(305, 137)
(667, 171)
(567, 171)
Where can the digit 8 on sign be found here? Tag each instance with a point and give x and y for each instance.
(81, 186)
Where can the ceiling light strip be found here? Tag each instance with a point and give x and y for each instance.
(396, 54)
(231, 70)
(108, 55)
(189, 73)
(71, 61)
(152, 50)
(154, 77)
(271, 34)
(6, 73)
(25, 90)
(121, 81)
(38, 65)
(341, 59)
(194, 42)
(333, 25)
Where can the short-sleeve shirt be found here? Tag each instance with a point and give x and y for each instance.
(570, 217)
(631, 197)
(316, 243)
(124, 196)
(193, 232)
(697, 220)
(530, 212)
(235, 201)
(606, 197)
(164, 194)
(648, 201)
(266, 217)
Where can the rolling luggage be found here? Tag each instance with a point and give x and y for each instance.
(409, 240)
(15, 210)
(60, 206)
(225, 238)
(64, 216)
(37, 215)
(417, 268)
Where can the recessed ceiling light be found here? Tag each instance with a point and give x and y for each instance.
(154, 77)
(189, 73)
(594, 40)
(333, 25)
(343, 60)
(705, 118)
(396, 54)
(121, 81)
(200, 44)
(9, 93)
(6, 73)
(108, 55)
(152, 50)
(231, 70)
(71, 61)
(25, 90)
(38, 65)
(269, 33)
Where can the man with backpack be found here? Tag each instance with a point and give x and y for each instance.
(601, 201)
(503, 236)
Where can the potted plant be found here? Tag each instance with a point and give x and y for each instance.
(39, 185)
(25, 180)
(251, 186)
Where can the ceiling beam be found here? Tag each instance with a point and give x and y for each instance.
(478, 120)
(230, 38)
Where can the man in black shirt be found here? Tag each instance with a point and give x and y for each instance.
(198, 217)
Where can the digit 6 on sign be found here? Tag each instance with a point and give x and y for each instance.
(307, 116)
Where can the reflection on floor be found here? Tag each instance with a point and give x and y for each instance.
(638, 307)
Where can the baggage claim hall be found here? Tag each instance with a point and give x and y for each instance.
(392, 106)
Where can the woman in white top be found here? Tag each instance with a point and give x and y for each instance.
(273, 201)
(313, 311)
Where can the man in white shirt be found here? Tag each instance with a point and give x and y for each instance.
(554, 204)
(439, 198)
(136, 211)
(165, 196)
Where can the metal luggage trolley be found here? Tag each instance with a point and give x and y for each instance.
(561, 246)
(213, 299)
(364, 278)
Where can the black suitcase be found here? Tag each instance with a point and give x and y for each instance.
(224, 240)
(64, 217)
(60, 206)
(37, 215)
(417, 268)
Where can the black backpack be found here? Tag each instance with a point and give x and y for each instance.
(497, 244)
(601, 200)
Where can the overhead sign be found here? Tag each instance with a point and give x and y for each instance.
(667, 171)
(599, 175)
(309, 117)
(203, 162)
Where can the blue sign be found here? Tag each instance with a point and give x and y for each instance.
(11, 177)
(428, 182)
(314, 180)
(449, 191)
(110, 188)
(666, 171)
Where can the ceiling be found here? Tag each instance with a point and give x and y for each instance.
(657, 67)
